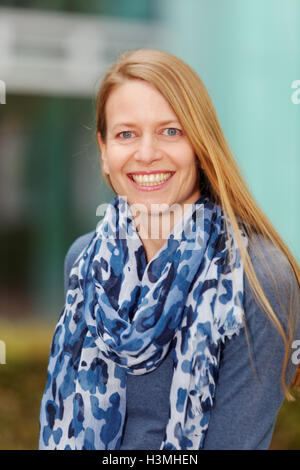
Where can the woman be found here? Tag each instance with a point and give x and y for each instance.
(182, 306)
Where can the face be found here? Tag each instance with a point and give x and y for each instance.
(146, 154)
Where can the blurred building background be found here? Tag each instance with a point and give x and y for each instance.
(52, 59)
(53, 55)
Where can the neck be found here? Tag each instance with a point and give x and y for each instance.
(154, 228)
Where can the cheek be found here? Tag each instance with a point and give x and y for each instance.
(186, 162)
(184, 152)
(115, 166)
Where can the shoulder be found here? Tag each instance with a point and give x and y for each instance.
(271, 265)
(78, 245)
(75, 249)
(276, 277)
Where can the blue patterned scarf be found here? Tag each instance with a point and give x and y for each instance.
(123, 315)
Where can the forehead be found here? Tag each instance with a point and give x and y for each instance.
(137, 100)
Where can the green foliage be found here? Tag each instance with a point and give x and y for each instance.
(21, 385)
(287, 430)
(22, 381)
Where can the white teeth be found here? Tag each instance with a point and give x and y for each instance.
(151, 180)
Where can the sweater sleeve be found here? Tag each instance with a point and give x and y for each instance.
(72, 254)
(248, 399)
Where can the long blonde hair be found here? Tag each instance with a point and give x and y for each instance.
(220, 175)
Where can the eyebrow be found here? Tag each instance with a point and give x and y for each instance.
(160, 123)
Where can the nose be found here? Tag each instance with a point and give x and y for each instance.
(148, 150)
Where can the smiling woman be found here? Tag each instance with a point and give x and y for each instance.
(181, 341)
(147, 156)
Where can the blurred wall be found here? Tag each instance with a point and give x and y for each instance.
(247, 53)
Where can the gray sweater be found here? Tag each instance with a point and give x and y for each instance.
(246, 401)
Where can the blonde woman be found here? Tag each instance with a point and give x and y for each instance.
(182, 306)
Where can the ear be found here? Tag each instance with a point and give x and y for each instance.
(102, 147)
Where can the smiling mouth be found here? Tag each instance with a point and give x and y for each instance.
(152, 179)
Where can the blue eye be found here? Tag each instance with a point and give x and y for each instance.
(170, 131)
(125, 134)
